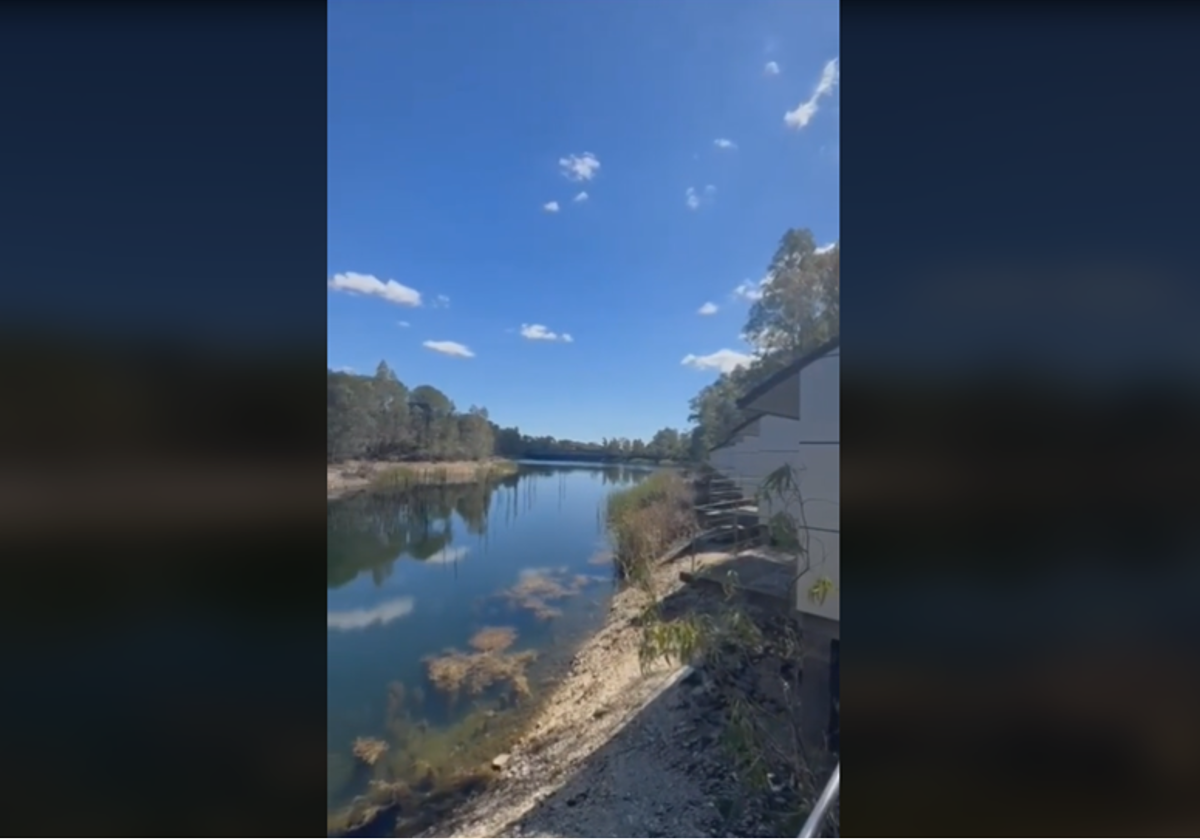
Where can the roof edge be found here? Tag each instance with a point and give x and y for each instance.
(789, 371)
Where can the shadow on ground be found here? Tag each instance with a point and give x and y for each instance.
(669, 770)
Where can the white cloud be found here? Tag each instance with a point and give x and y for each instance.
(441, 302)
(353, 283)
(579, 167)
(723, 143)
(693, 199)
(805, 111)
(550, 206)
(825, 249)
(750, 290)
(772, 69)
(361, 618)
(583, 196)
(539, 332)
(449, 348)
(709, 308)
(447, 555)
(344, 369)
(403, 324)
(722, 360)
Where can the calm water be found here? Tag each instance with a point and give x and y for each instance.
(415, 575)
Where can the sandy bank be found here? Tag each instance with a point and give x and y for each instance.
(615, 752)
(353, 476)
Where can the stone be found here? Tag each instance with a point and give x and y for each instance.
(501, 761)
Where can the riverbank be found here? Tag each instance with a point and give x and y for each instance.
(354, 476)
(618, 751)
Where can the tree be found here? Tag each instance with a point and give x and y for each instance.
(800, 304)
(799, 309)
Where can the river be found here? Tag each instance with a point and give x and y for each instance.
(413, 580)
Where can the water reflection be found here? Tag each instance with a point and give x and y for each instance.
(450, 609)
(384, 613)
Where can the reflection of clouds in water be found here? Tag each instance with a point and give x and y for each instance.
(449, 554)
(603, 557)
(382, 614)
(543, 571)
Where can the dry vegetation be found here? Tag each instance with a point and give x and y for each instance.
(369, 750)
(388, 475)
(494, 639)
(488, 665)
(646, 520)
(538, 590)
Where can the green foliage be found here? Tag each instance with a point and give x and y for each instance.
(378, 418)
(798, 309)
(788, 527)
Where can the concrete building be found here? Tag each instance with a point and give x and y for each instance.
(806, 396)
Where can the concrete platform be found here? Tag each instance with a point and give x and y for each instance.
(756, 575)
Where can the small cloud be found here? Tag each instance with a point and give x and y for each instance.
(449, 348)
(539, 332)
(749, 290)
(722, 360)
(709, 308)
(723, 143)
(343, 369)
(825, 249)
(550, 206)
(403, 324)
(583, 196)
(579, 167)
(353, 283)
(805, 111)
(360, 619)
(449, 554)
(441, 302)
(772, 69)
(693, 199)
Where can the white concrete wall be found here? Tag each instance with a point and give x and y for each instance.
(811, 446)
(820, 480)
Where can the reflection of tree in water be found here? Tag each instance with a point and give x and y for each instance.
(371, 531)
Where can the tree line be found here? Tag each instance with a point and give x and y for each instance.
(797, 307)
(379, 418)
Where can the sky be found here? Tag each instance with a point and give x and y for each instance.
(560, 211)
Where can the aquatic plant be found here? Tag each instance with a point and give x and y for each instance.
(369, 750)
(536, 589)
(455, 670)
(494, 639)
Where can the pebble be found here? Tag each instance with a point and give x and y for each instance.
(501, 761)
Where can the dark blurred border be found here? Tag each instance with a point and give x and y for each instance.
(162, 335)
(1020, 383)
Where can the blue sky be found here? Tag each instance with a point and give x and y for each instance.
(698, 131)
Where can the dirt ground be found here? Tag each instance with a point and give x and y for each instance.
(618, 752)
